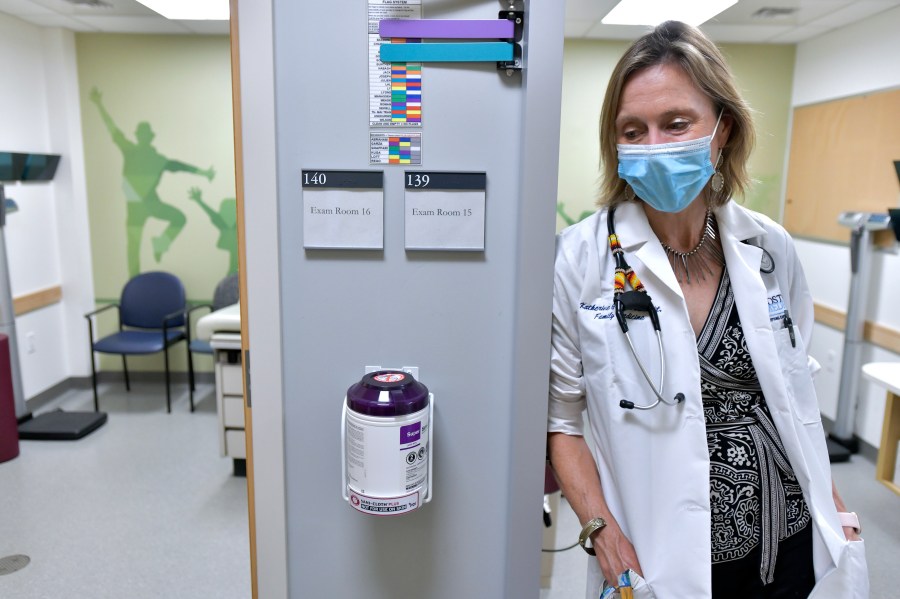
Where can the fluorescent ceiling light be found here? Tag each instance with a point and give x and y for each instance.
(190, 10)
(654, 12)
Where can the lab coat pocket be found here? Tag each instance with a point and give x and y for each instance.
(850, 580)
(797, 376)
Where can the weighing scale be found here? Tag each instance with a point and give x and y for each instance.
(57, 425)
(841, 442)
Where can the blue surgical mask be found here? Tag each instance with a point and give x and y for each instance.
(667, 176)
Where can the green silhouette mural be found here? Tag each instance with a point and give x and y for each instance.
(561, 211)
(225, 220)
(141, 173)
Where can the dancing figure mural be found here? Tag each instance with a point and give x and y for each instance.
(142, 171)
(225, 220)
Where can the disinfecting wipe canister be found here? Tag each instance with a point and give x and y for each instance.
(387, 443)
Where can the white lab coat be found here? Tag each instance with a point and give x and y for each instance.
(655, 464)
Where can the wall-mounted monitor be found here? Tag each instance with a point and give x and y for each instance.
(11, 165)
(19, 166)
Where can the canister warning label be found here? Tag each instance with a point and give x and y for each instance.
(384, 506)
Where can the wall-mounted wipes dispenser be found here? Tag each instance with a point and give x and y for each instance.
(386, 439)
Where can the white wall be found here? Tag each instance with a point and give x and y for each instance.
(47, 238)
(853, 60)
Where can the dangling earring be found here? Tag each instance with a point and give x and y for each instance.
(629, 193)
(718, 181)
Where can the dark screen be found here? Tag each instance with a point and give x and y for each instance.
(11, 165)
(40, 167)
(18, 166)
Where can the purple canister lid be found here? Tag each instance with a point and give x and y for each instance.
(387, 393)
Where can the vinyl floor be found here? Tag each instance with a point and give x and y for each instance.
(145, 507)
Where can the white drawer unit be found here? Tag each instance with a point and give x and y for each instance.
(230, 398)
(232, 378)
(233, 412)
(236, 444)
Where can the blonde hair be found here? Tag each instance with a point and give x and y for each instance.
(686, 46)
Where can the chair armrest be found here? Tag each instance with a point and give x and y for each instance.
(90, 322)
(170, 317)
(99, 310)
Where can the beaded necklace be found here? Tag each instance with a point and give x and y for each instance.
(700, 258)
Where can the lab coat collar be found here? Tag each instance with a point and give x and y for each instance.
(632, 227)
(633, 230)
(736, 223)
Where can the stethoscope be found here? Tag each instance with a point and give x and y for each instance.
(638, 300)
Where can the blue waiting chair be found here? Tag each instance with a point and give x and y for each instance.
(227, 293)
(151, 319)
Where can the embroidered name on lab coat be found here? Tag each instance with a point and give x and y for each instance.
(606, 312)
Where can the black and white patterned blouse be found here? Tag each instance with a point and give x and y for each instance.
(754, 495)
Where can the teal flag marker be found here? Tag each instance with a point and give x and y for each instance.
(448, 52)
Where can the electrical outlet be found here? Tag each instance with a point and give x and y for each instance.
(30, 346)
(830, 359)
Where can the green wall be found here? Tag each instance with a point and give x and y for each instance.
(181, 87)
(764, 74)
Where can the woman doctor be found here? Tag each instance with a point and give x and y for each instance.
(707, 473)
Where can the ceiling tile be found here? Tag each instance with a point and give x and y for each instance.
(742, 12)
(795, 35)
(207, 27)
(57, 20)
(577, 27)
(592, 10)
(616, 32)
(23, 7)
(743, 34)
(736, 24)
(133, 24)
(118, 8)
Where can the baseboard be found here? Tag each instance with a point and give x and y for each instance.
(83, 383)
(143, 376)
(74, 383)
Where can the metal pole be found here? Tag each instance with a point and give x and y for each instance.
(8, 317)
(860, 257)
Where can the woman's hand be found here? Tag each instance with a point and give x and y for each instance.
(851, 534)
(615, 553)
(576, 473)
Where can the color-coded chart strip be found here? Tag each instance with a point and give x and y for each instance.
(404, 150)
(406, 93)
(395, 148)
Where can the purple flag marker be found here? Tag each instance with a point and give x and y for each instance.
(447, 29)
